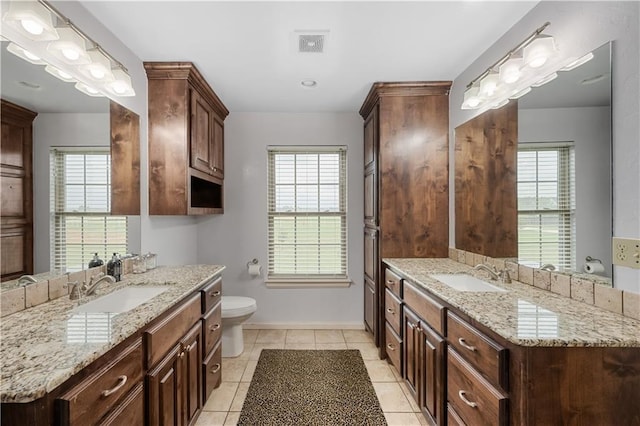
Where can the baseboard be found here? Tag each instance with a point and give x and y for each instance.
(303, 326)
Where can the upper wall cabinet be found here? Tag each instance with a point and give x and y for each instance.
(186, 141)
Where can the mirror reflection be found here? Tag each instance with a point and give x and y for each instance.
(71, 142)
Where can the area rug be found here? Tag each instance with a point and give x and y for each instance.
(311, 387)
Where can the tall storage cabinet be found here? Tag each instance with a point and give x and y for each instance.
(186, 141)
(406, 182)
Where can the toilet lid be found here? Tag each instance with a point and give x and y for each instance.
(237, 306)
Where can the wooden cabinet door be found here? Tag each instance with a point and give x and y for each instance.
(191, 374)
(371, 254)
(369, 304)
(411, 353)
(163, 382)
(432, 397)
(201, 133)
(217, 148)
(371, 138)
(370, 200)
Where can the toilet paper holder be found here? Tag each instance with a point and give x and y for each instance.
(588, 259)
(252, 262)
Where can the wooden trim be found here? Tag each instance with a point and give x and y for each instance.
(16, 114)
(403, 88)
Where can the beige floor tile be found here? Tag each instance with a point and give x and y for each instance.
(211, 418)
(248, 372)
(233, 368)
(249, 336)
(396, 373)
(407, 394)
(331, 346)
(402, 419)
(329, 336)
(379, 371)
(367, 350)
(221, 398)
(271, 336)
(300, 336)
(392, 398)
(232, 419)
(357, 336)
(258, 347)
(309, 345)
(241, 394)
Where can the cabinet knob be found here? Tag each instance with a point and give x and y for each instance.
(465, 345)
(121, 381)
(461, 395)
(215, 368)
(391, 311)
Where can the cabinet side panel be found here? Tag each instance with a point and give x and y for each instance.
(168, 150)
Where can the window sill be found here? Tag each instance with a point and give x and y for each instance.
(307, 283)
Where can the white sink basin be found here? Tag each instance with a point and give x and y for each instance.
(464, 282)
(121, 300)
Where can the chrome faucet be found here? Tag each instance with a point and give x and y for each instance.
(93, 285)
(548, 267)
(26, 279)
(503, 275)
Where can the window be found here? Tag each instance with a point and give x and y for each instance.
(81, 223)
(546, 205)
(307, 216)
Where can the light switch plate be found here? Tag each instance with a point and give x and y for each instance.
(626, 252)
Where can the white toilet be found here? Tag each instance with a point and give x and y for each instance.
(235, 311)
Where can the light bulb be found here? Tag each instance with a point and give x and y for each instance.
(119, 87)
(31, 55)
(97, 73)
(32, 26)
(538, 51)
(510, 70)
(71, 54)
(471, 99)
(489, 84)
(91, 90)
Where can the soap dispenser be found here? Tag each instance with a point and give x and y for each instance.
(111, 266)
(96, 261)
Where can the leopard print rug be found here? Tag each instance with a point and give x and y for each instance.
(311, 387)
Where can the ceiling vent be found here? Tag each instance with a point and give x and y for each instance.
(311, 41)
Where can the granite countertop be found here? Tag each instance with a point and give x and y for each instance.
(45, 345)
(525, 315)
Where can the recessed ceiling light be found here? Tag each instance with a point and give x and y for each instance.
(309, 83)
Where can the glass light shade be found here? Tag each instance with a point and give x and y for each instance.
(539, 51)
(576, 63)
(489, 84)
(24, 54)
(70, 48)
(521, 93)
(99, 69)
(510, 70)
(471, 98)
(31, 19)
(59, 74)
(121, 85)
(545, 80)
(88, 90)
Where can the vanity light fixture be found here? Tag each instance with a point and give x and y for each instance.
(24, 54)
(489, 84)
(545, 80)
(521, 93)
(510, 71)
(539, 50)
(38, 28)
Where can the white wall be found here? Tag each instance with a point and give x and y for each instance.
(580, 27)
(589, 128)
(240, 234)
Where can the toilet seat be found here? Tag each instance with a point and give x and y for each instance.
(236, 306)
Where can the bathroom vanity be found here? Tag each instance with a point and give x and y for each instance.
(64, 362)
(522, 356)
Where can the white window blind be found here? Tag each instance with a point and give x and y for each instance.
(81, 222)
(546, 205)
(307, 213)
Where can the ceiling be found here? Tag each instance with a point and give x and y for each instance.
(245, 49)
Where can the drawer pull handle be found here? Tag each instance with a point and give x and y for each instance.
(391, 347)
(215, 368)
(214, 327)
(215, 293)
(465, 400)
(391, 311)
(466, 345)
(121, 381)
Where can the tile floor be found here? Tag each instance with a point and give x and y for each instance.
(225, 403)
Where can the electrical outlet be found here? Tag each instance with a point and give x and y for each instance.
(626, 252)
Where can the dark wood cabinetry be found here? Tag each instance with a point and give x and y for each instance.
(186, 141)
(405, 176)
(125, 160)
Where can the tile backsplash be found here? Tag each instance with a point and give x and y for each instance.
(590, 289)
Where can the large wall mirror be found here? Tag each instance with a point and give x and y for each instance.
(558, 161)
(68, 119)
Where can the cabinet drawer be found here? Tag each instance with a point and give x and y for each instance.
(129, 412)
(212, 324)
(475, 400)
(453, 418)
(212, 372)
(211, 295)
(89, 401)
(426, 307)
(489, 358)
(393, 282)
(164, 335)
(392, 310)
(393, 347)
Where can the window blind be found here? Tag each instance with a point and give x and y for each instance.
(307, 212)
(80, 209)
(546, 205)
